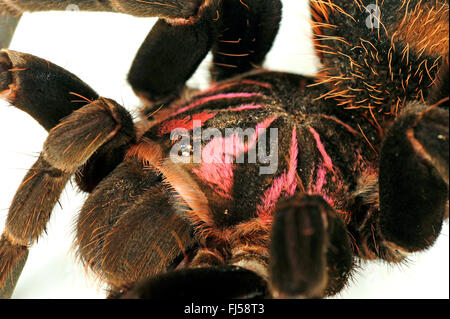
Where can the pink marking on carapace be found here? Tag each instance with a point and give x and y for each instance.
(252, 82)
(326, 158)
(166, 113)
(291, 183)
(245, 107)
(218, 156)
(330, 201)
(186, 123)
(216, 87)
(270, 198)
(218, 176)
(317, 187)
(285, 181)
(207, 99)
(320, 180)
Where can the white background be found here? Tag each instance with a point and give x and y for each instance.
(99, 49)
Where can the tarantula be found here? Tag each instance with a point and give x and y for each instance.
(361, 168)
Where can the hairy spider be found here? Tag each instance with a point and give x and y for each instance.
(293, 232)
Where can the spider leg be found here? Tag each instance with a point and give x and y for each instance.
(166, 60)
(49, 93)
(132, 227)
(40, 88)
(245, 33)
(150, 238)
(413, 181)
(161, 8)
(8, 24)
(20, 89)
(28, 214)
(11, 11)
(206, 282)
(17, 255)
(68, 146)
(239, 33)
(311, 254)
(109, 200)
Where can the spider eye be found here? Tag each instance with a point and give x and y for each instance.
(185, 150)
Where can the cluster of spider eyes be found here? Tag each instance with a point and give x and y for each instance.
(185, 150)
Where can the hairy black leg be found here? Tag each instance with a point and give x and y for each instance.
(168, 57)
(104, 161)
(17, 256)
(246, 32)
(43, 89)
(413, 180)
(114, 195)
(239, 33)
(49, 93)
(132, 226)
(149, 238)
(310, 254)
(40, 88)
(68, 146)
(212, 282)
(104, 114)
(8, 24)
(162, 8)
(27, 217)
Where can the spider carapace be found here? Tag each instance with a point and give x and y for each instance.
(267, 184)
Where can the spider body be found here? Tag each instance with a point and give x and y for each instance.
(234, 226)
(356, 168)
